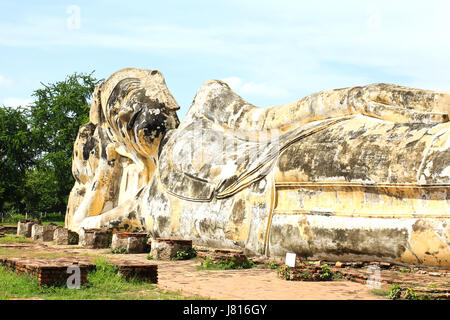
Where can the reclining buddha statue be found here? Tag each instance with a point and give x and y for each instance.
(353, 173)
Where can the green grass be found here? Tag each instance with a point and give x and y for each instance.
(14, 252)
(103, 284)
(397, 293)
(120, 250)
(380, 292)
(432, 286)
(225, 264)
(271, 265)
(45, 223)
(59, 223)
(15, 239)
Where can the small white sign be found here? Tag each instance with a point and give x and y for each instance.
(290, 259)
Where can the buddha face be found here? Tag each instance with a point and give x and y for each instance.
(138, 116)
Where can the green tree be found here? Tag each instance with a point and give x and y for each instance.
(55, 116)
(16, 156)
(36, 145)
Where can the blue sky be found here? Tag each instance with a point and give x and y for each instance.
(270, 52)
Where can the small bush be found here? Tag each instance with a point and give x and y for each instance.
(410, 294)
(325, 273)
(226, 264)
(337, 276)
(306, 275)
(284, 272)
(73, 238)
(185, 255)
(121, 250)
(395, 292)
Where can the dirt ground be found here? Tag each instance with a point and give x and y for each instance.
(183, 276)
(253, 284)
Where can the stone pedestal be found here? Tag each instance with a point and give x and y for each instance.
(95, 238)
(43, 233)
(166, 249)
(24, 227)
(49, 272)
(132, 242)
(65, 236)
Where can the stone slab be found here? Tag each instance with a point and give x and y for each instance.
(43, 233)
(64, 236)
(24, 227)
(166, 249)
(95, 238)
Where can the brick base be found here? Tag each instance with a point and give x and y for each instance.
(48, 272)
(54, 272)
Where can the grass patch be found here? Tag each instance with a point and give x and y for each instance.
(271, 265)
(33, 253)
(432, 286)
(45, 223)
(379, 292)
(12, 238)
(23, 253)
(103, 284)
(58, 223)
(397, 293)
(225, 264)
(120, 250)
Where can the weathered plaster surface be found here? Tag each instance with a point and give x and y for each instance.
(351, 173)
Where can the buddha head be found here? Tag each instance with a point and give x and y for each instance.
(136, 109)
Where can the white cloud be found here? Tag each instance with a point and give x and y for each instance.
(17, 102)
(4, 82)
(255, 89)
(233, 82)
